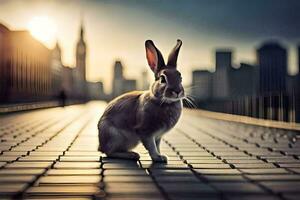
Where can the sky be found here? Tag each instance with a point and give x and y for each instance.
(117, 30)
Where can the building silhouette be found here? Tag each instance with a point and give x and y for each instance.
(223, 63)
(56, 69)
(129, 85)
(272, 61)
(29, 71)
(117, 86)
(25, 70)
(80, 69)
(120, 84)
(145, 80)
(202, 81)
(96, 90)
(243, 80)
(262, 90)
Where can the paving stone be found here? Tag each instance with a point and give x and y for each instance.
(204, 161)
(224, 178)
(131, 188)
(241, 158)
(120, 165)
(289, 165)
(282, 159)
(217, 171)
(177, 178)
(129, 179)
(47, 153)
(17, 179)
(74, 172)
(17, 171)
(211, 166)
(11, 188)
(8, 158)
(230, 153)
(170, 162)
(29, 165)
(190, 189)
(66, 190)
(71, 179)
(83, 153)
(38, 158)
(199, 154)
(128, 172)
(171, 172)
(14, 153)
(78, 165)
(265, 171)
(240, 187)
(80, 158)
(254, 166)
(273, 177)
(206, 158)
(165, 166)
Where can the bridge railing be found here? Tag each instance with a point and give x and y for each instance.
(274, 106)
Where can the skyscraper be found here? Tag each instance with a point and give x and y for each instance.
(117, 79)
(120, 84)
(272, 61)
(221, 75)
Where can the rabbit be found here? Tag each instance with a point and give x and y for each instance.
(144, 116)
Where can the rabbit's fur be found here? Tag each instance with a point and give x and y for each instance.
(144, 115)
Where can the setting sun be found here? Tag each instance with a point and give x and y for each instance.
(43, 29)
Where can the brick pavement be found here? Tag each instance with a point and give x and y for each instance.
(52, 154)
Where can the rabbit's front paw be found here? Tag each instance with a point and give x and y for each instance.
(160, 158)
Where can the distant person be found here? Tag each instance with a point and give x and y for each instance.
(62, 98)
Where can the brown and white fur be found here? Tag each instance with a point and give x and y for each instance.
(144, 115)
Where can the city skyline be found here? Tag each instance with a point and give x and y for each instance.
(198, 45)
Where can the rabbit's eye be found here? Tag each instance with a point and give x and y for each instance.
(162, 79)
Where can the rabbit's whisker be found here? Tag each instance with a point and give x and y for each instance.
(190, 102)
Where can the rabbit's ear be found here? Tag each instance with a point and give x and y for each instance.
(172, 60)
(154, 57)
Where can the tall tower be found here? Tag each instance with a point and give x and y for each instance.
(81, 54)
(272, 60)
(118, 79)
(80, 70)
(221, 76)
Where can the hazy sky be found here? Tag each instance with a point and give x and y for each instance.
(117, 29)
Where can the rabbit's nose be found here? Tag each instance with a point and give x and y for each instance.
(176, 93)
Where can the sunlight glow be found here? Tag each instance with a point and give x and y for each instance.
(43, 28)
